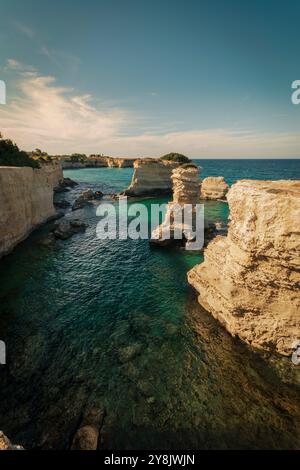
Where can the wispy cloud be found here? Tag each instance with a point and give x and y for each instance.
(23, 29)
(59, 120)
(61, 58)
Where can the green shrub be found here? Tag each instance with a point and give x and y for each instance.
(176, 157)
(11, 155)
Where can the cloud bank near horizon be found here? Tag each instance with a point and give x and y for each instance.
(60, 121)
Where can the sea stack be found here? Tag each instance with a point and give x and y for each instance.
(186, 191)
(250, 279)
(152, 177)
(214, 187)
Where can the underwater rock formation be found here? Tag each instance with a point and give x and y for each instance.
(250, 279)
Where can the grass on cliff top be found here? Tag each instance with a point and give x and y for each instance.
(175, 157)
(11, 155)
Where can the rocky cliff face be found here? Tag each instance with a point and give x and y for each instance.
(214, 187)
(151, 177)
(250, 280)
(100, 162)
(186, 184)
(26, 201)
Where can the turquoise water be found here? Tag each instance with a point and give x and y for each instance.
(114, 323)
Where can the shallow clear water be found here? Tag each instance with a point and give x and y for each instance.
(114, 323)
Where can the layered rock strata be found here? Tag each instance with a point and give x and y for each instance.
(177, 221)
(95, 161)
(250, 279)
(214, 187)
(26, 201)
(151, 177)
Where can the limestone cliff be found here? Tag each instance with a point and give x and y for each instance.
(95, 161)
(152, 177)
(250, 280)
(186, 185)
(26, 201)
(214, 187)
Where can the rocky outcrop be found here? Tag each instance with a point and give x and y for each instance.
(250, 280)
(26, 201)
(186, 195)
(151, 177)
(214, 187)
(5, 443)
(67, 228)
(85, 198)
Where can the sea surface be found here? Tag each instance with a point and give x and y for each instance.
(114, 324)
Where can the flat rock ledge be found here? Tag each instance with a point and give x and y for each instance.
(250, 279)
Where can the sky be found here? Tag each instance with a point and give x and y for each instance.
(207, 78)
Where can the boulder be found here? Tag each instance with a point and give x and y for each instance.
(214, 187)
(66, 229)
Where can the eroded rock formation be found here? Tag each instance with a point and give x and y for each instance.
(152, 177)
(214, 187)
(26, 201)
(250, 280)
(186, 185)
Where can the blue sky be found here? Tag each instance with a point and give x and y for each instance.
(206, 78)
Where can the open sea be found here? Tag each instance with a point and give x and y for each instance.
(114, 324)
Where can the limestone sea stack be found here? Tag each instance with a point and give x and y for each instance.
(152, 177)
(214, 187)
(186, 184)
(250, 279)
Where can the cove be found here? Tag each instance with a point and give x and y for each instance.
(117, 325)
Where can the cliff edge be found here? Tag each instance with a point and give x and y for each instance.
(26, 201)
(250, 279)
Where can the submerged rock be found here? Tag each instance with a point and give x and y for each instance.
(129, 352)
(87, 437)
(66, 229)
(214, 187)
(250, 279)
